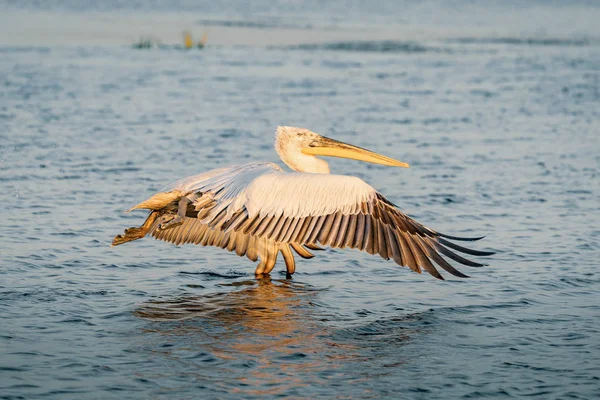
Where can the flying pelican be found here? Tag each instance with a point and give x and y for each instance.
(259, 210)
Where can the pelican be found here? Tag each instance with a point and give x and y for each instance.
(259, 210)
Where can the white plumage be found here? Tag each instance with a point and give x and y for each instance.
(258, 210)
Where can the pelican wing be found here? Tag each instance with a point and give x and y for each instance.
(303, 209)
(376, 227)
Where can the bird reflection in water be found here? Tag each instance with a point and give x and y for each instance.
(265, 336)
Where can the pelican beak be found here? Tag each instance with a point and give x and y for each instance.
(332, 148)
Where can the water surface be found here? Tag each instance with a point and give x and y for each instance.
(496, 111)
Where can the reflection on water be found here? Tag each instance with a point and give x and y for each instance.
(269, 327)
(268, 336)
(261, 299)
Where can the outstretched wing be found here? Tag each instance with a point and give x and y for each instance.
(303, 209)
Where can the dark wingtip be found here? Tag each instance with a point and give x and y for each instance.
(458, 274)
(464, 239)
(465, 249)
(462, 275)
(456, 257)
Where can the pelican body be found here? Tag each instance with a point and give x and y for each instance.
(259, 210)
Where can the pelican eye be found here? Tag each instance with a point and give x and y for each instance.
(314, 143)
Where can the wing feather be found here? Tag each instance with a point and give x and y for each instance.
(249, 226)
(423, 260)
(252, 252)
(301, 229)
(284, 231)
(394, 246)
(326, 228)
(340, 238)
(183, 234)
(464, 249)
(348, 241)
(278, 227)
(370, 237)
(238, 219)
(330, 241)
(302, 252)
(410, 260)
(291, 229)
(259, 228)
(360, 231)
(241, 244)
(381, 240)
(431, 253)
(312, 238)
(270, 228)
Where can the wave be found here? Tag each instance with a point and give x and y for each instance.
(373, 46)
(522, 41)
(275, 24)
(24, 49)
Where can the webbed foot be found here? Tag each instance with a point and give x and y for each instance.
(170, 221)
(135, 233)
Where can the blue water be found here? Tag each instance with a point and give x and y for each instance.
(502, 132)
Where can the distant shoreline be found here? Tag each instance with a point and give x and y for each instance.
(49, 28)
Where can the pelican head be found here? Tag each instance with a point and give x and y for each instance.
(298, 148)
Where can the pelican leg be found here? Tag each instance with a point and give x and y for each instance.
(170, 221)
(135, 233)
(288, 257)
